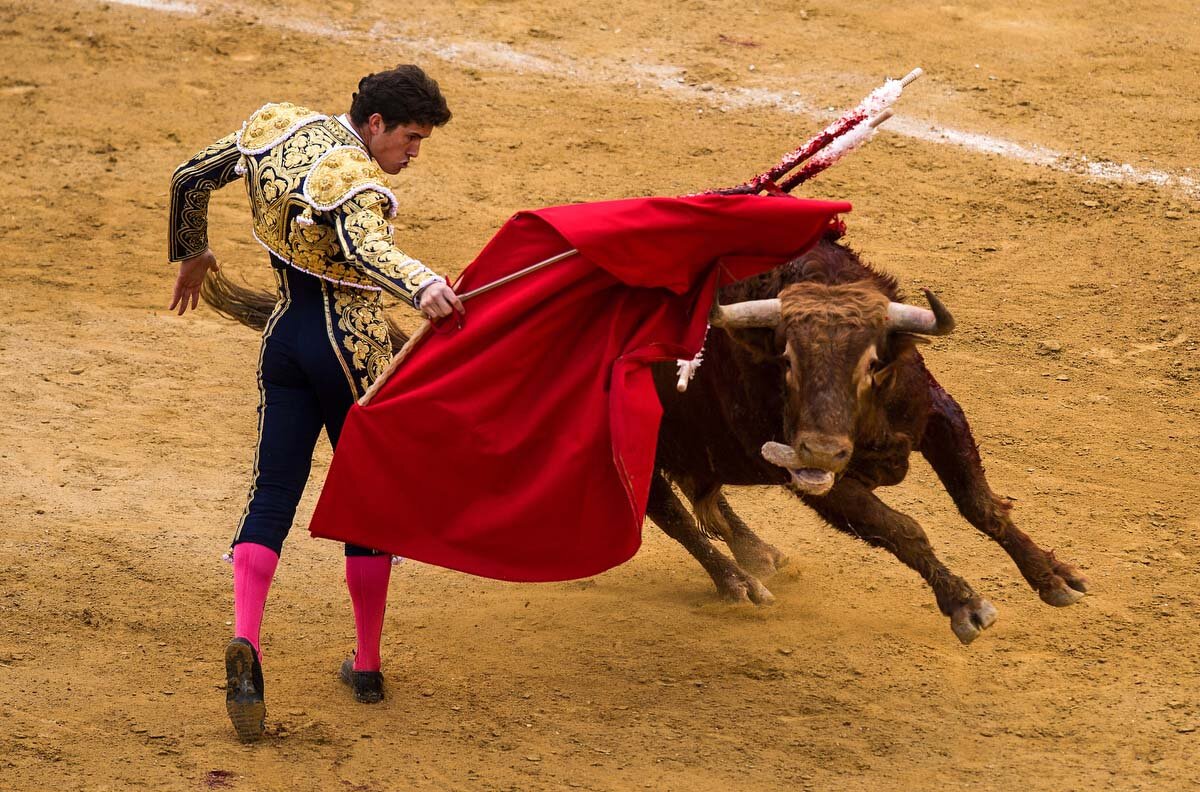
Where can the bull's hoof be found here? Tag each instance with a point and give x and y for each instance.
(1067, 586)
(969, 620)
(1061, 596)
(757, 557)
(738, 586)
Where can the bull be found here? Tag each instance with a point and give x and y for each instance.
(815, 382)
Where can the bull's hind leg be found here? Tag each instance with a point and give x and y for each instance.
(951, 450)
(669, 514)
(717, 518)
(851, 507)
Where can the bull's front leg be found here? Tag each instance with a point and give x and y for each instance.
(851, 507)
(669, 514)
(751, 552)
(951, 450)
(717, 518)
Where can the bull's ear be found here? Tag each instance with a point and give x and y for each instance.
(882, 376)
(762, 342)
(900, 347)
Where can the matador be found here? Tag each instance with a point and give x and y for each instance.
(320, 205)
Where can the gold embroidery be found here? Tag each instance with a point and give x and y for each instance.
(271, 123)
(343, 173)
(314, 247)
(368, 238)
(274, 180)
(364, 333)
(284, 221)
(191, 186)
(334, 344)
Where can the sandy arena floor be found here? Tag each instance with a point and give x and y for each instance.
(128, 432)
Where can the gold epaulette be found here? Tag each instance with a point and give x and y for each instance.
(273, 123)
(342, 173)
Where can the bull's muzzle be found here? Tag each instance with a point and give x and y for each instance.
(815, 462)
(826, 452)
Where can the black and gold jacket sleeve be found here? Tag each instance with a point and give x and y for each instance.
(193, 182)
(366, 238)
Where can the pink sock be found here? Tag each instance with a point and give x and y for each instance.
(253, 569)
(367, 578)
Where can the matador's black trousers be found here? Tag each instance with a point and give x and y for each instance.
(305, 385)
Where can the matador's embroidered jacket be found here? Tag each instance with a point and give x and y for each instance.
(319, 202)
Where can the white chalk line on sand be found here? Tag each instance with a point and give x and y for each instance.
(159, 5)
(670, 81)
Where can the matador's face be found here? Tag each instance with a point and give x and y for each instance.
(392, 149)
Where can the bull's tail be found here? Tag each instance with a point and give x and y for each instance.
(253, 307)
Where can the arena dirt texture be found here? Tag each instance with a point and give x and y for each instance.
(128, 432)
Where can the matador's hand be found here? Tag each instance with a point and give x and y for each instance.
(438, 301)
(191, 275)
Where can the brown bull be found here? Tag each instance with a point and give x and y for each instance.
(816, 384)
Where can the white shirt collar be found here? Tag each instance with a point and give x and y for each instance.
(344, 120)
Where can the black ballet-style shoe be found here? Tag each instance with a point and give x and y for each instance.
(367, 685)
(244, 690)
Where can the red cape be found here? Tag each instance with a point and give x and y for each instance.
(521, 446)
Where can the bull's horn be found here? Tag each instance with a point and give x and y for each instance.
(911, 319)
(752, 313)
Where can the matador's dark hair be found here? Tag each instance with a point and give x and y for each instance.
(403, 95)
